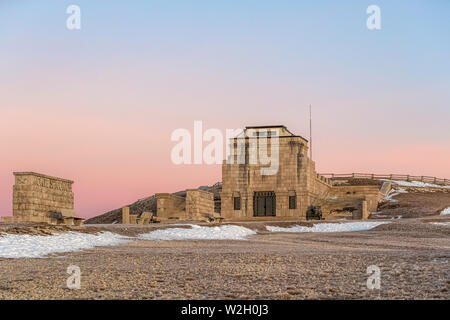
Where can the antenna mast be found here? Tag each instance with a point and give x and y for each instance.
(310, 133)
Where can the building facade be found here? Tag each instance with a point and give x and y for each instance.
(251, 190)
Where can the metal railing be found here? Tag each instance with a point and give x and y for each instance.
(402, 177)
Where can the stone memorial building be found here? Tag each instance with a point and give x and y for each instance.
(42, 198)
(250, 193)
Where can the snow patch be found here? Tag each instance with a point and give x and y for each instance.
(380, 215)
(394, 193)
(446, 224)
(36, 246)
(329, 227)
(445, 211)
(227, 232)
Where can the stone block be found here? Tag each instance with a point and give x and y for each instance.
(364, 210)
(133, 218)
(125, 215)
(68, 221)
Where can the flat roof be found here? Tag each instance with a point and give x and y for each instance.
(269, 137)
(275, 126)
(40, 175)
(262, 127)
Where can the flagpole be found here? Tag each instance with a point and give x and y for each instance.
(310, 133)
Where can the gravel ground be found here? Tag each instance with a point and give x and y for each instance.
(413, 256)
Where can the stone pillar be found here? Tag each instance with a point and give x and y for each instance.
(364, 210)
(125, 215)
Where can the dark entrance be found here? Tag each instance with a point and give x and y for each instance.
(264, 204)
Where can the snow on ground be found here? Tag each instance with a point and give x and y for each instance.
(380, 215)
(226, 232)
(446, 224)
(329, 227)
(416, 184)
(445, 211)
(394, 193)
(35, 246)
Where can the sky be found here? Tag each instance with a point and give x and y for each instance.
(98, 105)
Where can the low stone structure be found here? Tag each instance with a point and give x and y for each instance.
(127, 218)
(41, 198)
(145, 218)
(356, 202)
(170, 206)
(196, 205)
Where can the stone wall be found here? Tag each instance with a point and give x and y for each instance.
(370, 193)
(170, 206)
(36, 195)
(199, 203)
(340, 208)
(356, 202)
(194, 207)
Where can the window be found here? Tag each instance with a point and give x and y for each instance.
(292, 202)
(264, 133)
(237, 203)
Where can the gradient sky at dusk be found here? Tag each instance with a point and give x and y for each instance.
(98, 105)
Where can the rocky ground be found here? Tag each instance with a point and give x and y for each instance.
(414, 203)
(413, 256)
